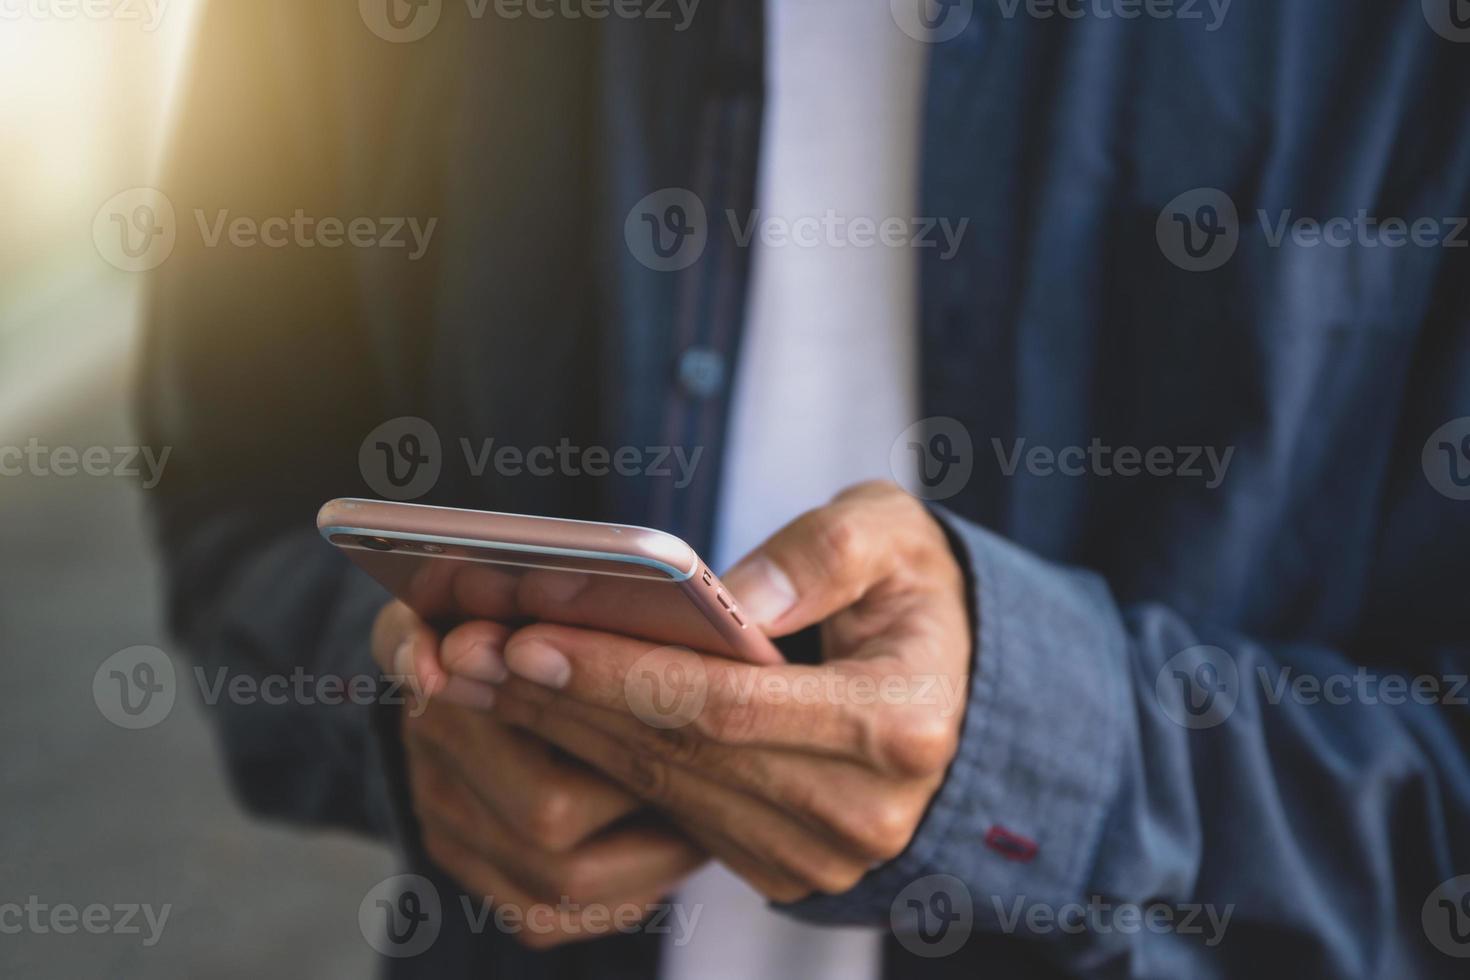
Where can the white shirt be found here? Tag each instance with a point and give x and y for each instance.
(828, 375)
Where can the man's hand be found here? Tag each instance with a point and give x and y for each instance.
(512, 820)
(800, 778)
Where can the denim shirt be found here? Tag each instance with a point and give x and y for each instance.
(1201, 359)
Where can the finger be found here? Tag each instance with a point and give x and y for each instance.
(829, 558)
(551, 802)
(475, 651)
(400, 642)
(868, 812)
(472, 660)
(537, 925)
(611, 865)
(484, 591)
(727, 702)
(779, 843)
(770, 883)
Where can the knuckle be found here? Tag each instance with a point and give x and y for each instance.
(679, 745)
(648, 778)
(919, 742)
(549, 820)
(784, 891)
(884, 830)
(731, 719)
(839, 878)
(572, 883)
(837, 537)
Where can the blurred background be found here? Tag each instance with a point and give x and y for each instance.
(95, 813)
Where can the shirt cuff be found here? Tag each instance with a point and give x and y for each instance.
(1021, 810)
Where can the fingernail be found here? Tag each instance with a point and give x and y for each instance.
(403, 659)
(487, 663)
(762, 589)
(539, 663)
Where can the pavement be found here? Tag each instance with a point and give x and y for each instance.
(96, 815)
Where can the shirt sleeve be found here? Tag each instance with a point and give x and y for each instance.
(1123, 757)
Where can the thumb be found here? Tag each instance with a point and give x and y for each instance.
(819, 564)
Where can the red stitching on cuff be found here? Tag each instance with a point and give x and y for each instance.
(1011, 846)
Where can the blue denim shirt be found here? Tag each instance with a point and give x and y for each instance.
(1214, 396)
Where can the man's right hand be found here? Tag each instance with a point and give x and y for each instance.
(515, 821)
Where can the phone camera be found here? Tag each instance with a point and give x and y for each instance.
(377, 544)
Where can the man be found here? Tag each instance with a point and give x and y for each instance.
(1204, 479)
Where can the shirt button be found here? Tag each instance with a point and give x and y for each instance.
(702, 371)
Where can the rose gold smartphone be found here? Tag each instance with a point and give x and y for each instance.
(450, 565)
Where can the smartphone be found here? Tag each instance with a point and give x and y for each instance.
(451, 565)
